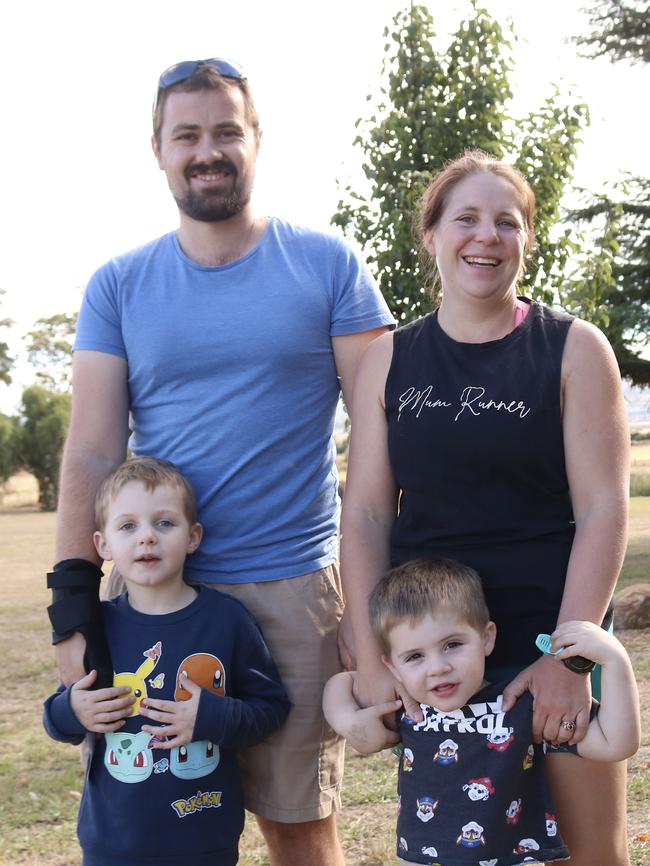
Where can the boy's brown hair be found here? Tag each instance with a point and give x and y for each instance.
(152, 473)
(411, 591)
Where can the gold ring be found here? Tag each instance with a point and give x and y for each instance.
(568, 726)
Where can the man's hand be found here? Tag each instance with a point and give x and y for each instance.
(559, 695)
(103, 710)
(177, 717)
(70, 659)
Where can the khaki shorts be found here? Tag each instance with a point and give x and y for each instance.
(295, 775)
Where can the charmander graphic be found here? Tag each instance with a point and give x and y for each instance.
(203, 669)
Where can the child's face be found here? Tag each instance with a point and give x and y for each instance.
(440, 659)
(147, 535)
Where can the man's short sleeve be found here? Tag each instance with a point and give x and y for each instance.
(358, 303)
(99, 327)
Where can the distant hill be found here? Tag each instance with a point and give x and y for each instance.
(638, 406)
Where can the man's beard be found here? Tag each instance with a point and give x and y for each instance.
(212, 206)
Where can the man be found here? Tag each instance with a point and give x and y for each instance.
(220, 346)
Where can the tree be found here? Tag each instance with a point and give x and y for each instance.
(6, 361)
(45, 417)
(614, 289)
(433, 105)
(621, 31)
(50, 350)
(9, 461)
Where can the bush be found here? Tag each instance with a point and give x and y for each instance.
(45, 417)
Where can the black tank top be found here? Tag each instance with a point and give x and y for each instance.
(476, 447)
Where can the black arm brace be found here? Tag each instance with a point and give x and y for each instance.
(76, 607)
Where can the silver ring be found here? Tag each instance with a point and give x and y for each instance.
(568, 726)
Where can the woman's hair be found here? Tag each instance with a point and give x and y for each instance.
(436, 195)
(417, 588)
(152, 473)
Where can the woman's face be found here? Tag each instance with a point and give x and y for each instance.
(478, 242)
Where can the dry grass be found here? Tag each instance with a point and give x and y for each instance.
(40, 781)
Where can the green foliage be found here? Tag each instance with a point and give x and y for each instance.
(621, 31)
(50, 350)
(549, 138)
(434, 105)
(9, 460)
(45, 417)
(6, 361)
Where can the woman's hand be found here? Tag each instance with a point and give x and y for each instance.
(376, 685)
(559, 696)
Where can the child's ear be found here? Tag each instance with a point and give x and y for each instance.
(196, 534)
(489, 637)
(101, 546)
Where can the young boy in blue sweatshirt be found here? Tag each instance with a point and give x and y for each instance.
(193, 682)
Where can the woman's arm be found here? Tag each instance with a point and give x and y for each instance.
(369, 509)
(596, 443)
(597, 446)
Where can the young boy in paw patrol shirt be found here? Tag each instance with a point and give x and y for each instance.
(472, 787)
(193, 682)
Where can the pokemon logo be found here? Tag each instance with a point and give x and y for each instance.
(200, 801)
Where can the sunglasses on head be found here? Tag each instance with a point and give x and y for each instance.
(186, 69)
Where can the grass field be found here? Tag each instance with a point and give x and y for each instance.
(40, 781)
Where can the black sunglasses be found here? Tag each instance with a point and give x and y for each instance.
(186, 69)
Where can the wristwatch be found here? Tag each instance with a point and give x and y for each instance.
(579, 665)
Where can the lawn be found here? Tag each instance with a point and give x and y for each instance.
(40, 781)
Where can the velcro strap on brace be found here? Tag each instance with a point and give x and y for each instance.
(71, 613)
(72, 577)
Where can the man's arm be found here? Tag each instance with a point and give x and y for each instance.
(348, 350)
(96, 444)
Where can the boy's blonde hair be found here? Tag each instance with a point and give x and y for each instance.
(152, 473)
(411, 591)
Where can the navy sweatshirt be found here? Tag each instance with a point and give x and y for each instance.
(141, 804)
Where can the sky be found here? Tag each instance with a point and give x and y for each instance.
(77, 177)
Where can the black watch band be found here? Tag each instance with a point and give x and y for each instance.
(579, 665)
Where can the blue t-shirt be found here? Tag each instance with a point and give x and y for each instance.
(231, 376)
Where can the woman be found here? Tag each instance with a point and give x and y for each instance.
(500, 429)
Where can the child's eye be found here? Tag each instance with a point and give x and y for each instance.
(128, 525)
(164, 524)
(413, 657)
(453, 644)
